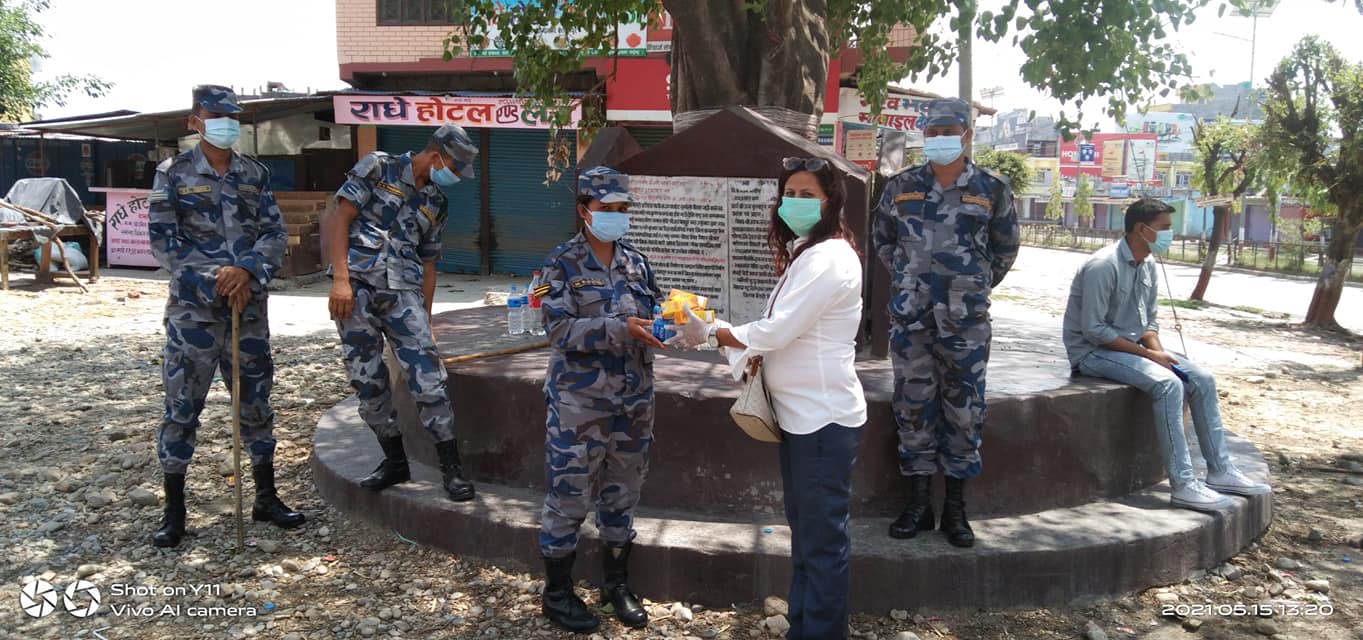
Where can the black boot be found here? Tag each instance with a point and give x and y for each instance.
(460, 490)
(268, 507)
(615, 591)
(561, 604)
(917, 516)
(392, 470)
(954, 524)
(173, 523)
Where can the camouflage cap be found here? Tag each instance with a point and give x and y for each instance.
(215, 98)
(458, 145)
(944, 112)
(604, 184)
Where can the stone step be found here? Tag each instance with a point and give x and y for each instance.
(1055, 557)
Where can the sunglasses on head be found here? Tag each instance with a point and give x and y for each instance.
(808, 164)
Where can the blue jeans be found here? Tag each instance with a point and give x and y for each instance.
(1169, 391)
(816, 474)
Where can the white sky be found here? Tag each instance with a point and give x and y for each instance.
(154, 51)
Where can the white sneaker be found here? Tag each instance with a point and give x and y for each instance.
(1198, 497)
(1233, 481)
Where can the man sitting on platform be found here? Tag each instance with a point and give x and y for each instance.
(1110, 332)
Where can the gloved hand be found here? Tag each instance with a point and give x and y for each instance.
(690, 335)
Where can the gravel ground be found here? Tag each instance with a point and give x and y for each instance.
(80, 491)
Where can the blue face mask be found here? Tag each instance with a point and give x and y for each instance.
(1163, 240)
(942, 149)
(800, 214)
(608, 226)
(221, 132)
(443, 177)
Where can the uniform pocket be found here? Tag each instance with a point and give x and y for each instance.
(592, 301)
(910, 220)
(968, 298)
(198, 217)
(643, 300)
(909, 303)
(972, 225)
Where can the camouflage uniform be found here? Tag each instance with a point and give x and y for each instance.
(399, 227)
(599, 389)
(945, 251)
(200, 222)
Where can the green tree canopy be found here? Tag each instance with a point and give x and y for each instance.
(775, 52)
(1313, 127)
(20, 46)
(1055, 202)
(1083, 190)
(1011, 165)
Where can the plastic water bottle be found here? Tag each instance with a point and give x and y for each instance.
(515, 319)
(534, 315)
(661, 330)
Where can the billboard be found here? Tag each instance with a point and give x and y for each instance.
(1173, 131)
(1111, 156)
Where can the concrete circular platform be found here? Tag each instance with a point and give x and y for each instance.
(1051, 441)
(1071, 504)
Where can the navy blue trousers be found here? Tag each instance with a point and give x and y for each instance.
(816, 471)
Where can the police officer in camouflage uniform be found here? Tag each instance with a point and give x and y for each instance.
(598, 298)
(390, 218)
(215, 228)
(947, 231)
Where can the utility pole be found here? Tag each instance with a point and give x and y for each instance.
(965, 36)
(1257, 9)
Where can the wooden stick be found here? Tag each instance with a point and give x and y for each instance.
(236, 424)
(492, 354)
(31, 213)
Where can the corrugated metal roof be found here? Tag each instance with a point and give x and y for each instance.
(170, 125)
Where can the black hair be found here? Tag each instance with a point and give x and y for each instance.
(1144, 211)
(830, 225)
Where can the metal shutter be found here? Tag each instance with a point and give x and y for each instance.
(649, 136)
(528, 218)
(459, 249)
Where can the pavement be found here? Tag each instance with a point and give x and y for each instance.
(298, 307)
(1049, 271)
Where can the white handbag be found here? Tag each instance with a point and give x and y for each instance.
(752, 411)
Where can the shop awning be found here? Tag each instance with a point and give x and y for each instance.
(170, 125)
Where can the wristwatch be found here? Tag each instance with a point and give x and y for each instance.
(712, 336)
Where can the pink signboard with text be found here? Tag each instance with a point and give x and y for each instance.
(125, 236)
(433, 111)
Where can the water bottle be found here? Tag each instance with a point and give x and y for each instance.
(660, 325)
(534, 315)
(515, 320)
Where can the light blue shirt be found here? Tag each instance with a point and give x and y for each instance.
(1112, 296)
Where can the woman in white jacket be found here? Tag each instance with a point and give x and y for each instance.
(806, 346)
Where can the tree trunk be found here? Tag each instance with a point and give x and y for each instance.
(1219, 216)
(1339, 257)
(775, 62)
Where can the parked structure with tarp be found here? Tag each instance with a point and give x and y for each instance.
(40, 210)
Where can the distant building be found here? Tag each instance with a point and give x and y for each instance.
(1018, 131)
(1222, 103)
